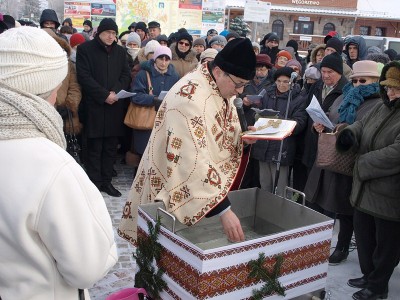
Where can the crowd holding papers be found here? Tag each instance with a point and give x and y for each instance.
(256, 99)
(271, 129)
(124, 94)
(317, 114)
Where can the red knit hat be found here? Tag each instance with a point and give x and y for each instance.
(285, 54)
(76, 39)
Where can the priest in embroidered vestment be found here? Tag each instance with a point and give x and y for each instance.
(194, 152)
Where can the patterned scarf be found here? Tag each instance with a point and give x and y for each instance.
(24, 115)
(353, 98)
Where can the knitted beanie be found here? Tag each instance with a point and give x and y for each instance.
(218, 40)
(88, 23)
(256, 45)
(141, 26)
(208, 53)
(336, 44)
(162, 50)
(185, 36)
(200, 42)
(379, 57)
(76, 39)
(237, 58)
(264, 60)
(31, 60)
(107, 24)
(294, 63)
(133, 37)
(293, 44)
(285, 54)
(334, 62)
(151, 46)
(162, 38)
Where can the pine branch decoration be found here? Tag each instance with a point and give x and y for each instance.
(148, 250)
(259, 272)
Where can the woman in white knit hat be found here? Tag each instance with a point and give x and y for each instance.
(55, 231)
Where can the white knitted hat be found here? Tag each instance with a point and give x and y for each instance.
(31, 60)
(151, 46)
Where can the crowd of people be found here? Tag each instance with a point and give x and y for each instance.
(191, 157)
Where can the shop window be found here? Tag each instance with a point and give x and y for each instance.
(380, 31)
(277, 27)
(303, 27)
(365, 30)
(327, 28)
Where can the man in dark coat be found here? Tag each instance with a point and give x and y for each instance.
(102, 72)
(326, 90)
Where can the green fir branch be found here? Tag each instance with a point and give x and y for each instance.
(149, 249)
(259, 272)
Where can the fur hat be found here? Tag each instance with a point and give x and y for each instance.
(392, 77)
(334, 62)
(218, 40)
(88, 23)
(336, 44)
(367, 68)
(151, 46)
(162, 50)
(285, 71)
(208, 53)
(199, 41)
(295, 63)
(31, 60)
(107, 24)
(285, 54)
(312, 73)
(264, 60)
(76, 39)
(133, 37)
(237, 58)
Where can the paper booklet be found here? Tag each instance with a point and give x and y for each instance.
(317, 114)
(271, 129)
(124, 94)
(162, 95)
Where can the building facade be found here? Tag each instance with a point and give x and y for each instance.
(309, 21)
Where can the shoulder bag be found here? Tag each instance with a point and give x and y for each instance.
(141, 117)
(330, 159)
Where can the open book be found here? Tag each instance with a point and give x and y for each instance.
(271, 129)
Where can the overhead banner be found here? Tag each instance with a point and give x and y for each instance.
(197, 16)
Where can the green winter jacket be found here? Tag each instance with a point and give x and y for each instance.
(376, 174)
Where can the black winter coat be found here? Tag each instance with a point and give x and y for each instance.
(268, 151)
(100, 72)
(311, 137)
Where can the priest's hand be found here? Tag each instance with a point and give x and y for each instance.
(232, 227)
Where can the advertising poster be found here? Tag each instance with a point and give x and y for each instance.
(213, 16)
(190, 4)
(191, 20)
(77, 12)
(95, 11)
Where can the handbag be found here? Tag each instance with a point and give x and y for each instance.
(330, 159)
(73, 147)
(141, 117)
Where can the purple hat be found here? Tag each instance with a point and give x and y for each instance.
(162, 50)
